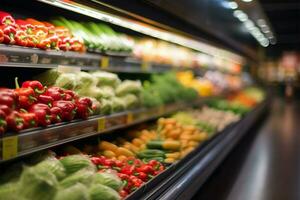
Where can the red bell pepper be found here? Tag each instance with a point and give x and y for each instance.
(42, 112)
(65, 44)
(84, 107)
(143, 176)
(26, 95)
(14, 121)
(71, 94)
(77, 45)
(148, 169)
(1, 36)
(54, 42)
(62, 32)
(136, 182)
(128, 170)
(30, 119)
(68, 109)
(56, 114)
(25, 26)
(7, 110)
(45, 99)
(123, 194)
(8, 97)
(50, 27)
(6, 19)
(44, 44)
(39, 26)
(3, 123)
(56, 93)
(21, 38)
(32, 41)
(35, 85)
(9, 34)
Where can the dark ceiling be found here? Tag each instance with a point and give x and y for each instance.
(284, 16)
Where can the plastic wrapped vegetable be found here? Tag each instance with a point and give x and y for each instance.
(84, 80)
(49, 77)
(54, 165)
(107, 92)
(9, 192)
(131, 101)
(118, 104)
(75, 163)
(129, 87)
(91, 91)
(66, 81)
(83, 176)
(106, 106)
(75, 192)
(37, 183)
(102, 192)
(106, 78)
(109, 179)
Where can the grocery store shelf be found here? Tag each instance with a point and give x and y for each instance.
(33, 140)
(181, 180)
(16, 56)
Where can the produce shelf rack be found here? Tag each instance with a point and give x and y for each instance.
(36, 139)
(16, 56)
(181, 180)
(23, 57)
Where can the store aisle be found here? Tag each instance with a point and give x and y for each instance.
(266, 163)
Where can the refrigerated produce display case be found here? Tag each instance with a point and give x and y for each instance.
(102, 101)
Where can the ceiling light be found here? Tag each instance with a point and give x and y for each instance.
(249, 24)
(247, 1)
(233, 5)
(240, 15)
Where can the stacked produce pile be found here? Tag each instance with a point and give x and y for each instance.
(72, 177)
(34, 105)
(33, 33)
(204, 87)
(164, 89)
(240, 102)
(104, 88)
(97, 36)
(164, 53)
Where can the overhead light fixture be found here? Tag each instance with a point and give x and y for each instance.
(240, 15)
(232, 5)
(247, 1)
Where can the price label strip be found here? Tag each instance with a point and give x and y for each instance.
(145, 66)
(161, 110)
(104, 62)
(129, 119)
(9, 147)
(101, 124)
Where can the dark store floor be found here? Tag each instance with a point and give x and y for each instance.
(266, 163)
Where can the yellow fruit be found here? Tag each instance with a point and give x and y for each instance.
(121, 158)
(109, 154)
(103, 145)
(125, 152)
(169, 160)
(137, 142)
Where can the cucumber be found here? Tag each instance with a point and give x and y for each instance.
(150, 153)
(159, 159)
(165, 145)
